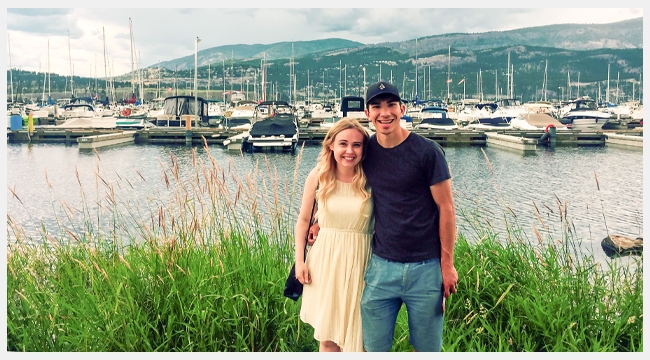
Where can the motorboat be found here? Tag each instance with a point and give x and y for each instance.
(266, 109)
(237, 123)
(437, 123)
(353, 107)
(509, 108)
(583, 114)
(179, 109)
(536, 121)
(279, 131)
(490, 123)
(243, 109)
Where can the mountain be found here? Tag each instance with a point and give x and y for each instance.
(227, 53)
(627, 34)
(579, 60)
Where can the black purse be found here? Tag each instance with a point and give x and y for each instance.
(293, 287)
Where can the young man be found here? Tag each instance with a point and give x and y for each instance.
(412, 258)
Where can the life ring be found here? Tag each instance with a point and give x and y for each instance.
(126, 112)
(548, 126)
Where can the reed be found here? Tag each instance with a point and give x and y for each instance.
(203, 268)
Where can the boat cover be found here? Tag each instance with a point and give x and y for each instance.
(274, 127)
(444, 121)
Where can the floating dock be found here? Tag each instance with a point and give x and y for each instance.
(514, 139)
(97, 141)
(520, 143)
(626, 140)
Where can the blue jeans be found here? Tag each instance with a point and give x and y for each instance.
(390, 284)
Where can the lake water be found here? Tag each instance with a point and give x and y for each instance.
(587, 191)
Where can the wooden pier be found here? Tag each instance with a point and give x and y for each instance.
(314, 135)
(97, 141)
(634, 140)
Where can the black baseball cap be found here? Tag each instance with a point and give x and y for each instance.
(381, 88)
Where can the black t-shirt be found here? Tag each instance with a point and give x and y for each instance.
(406, 217)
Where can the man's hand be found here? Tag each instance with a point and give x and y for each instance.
(313, 234)
(449, 280)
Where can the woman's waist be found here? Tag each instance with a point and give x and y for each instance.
(326, 229)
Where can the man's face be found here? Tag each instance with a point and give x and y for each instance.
(385, 114)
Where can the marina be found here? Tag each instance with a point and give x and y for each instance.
(525, 140)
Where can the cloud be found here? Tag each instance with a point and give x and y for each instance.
(48, 22)
(39, 12)
(163, 34)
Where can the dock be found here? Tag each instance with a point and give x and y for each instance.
(520, 140)
(634, 140)
(97, 141)
(520, 143)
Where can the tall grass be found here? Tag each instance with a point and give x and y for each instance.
(204, 269)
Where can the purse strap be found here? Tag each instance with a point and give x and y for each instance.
(311, 218)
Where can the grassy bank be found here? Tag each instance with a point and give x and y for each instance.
(196, 273)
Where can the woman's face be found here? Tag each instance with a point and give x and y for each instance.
(347, 148)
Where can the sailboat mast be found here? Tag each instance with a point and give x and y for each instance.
(617, 80)
(105, 63)
(140, 85)
(416, 68)
(132, 61)
(71, 68)
(158, 90)
(11, 79)
(607, 93)
(448, 73)
(496, 85)
(508, 77)
(44, 82)
(568, 84)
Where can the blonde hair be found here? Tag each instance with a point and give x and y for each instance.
(327, 163)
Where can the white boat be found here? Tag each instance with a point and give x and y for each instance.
(490, 122)
(237, 124)
(445, 123)
(536, 121)
(98, 122)
(353, 107)
(471, 110)
(583, 114)
(244, 109)
(509, 108)
(436, 117)
(78, 111)
(266, 109)
(279, 131)
(181, 108)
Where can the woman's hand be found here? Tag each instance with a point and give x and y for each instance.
(302, 273)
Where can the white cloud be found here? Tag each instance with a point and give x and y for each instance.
(164, 34)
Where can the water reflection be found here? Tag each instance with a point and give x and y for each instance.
(586, 192)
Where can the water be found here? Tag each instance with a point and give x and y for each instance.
(597, 189)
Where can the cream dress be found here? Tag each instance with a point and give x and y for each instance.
(337, 262)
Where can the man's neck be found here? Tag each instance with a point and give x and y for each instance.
(393, 139)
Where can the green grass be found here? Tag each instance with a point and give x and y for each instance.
(195, 274)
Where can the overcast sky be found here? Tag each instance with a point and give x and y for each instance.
(163, 34)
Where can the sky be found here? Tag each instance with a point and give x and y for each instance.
(75, 36)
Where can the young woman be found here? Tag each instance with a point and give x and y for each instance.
(333, 272)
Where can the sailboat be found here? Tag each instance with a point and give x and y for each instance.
(131, 116)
